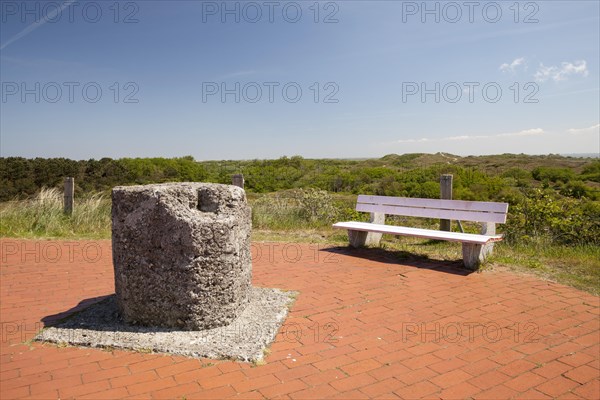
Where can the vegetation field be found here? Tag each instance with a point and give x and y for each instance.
(553, 229)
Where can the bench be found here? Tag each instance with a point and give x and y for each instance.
(475, 248)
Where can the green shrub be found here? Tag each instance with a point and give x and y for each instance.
(577, 189)
(591, 172)
(296, 208)
(540, 216)
(516, 173)
(553, 174)
(316, 206)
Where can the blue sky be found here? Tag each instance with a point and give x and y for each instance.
(376, 77)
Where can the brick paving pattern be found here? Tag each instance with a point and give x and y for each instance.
(363, 326)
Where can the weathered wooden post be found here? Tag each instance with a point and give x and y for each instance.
(445, 194)
(69, 195)
(238, 180)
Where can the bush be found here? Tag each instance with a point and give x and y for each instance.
(316, 206)
(591, 172)
(539, 216)
(577, 190)
(553, 174)
(296, 208)
(517, 173)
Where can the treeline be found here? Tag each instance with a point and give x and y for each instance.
(21, 177)
(412, 175)
(553, 199)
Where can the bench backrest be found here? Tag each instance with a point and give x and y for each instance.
(480, 211)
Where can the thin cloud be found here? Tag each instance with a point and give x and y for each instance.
(464, 137)
(582, 131)
(526, 132)
(414, 140)
(561, 73)
(32, 27)
(506, 67)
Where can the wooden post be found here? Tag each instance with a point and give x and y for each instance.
(69, 195)
(238, 180)
(445, 194)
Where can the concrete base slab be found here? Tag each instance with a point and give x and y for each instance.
(245, 339)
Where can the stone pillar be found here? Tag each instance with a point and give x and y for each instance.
(181, 254)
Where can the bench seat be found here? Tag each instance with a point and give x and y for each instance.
(417, 232)
(475, 248)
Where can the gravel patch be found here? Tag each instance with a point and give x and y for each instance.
(245, 339)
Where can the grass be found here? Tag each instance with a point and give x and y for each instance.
(577, 266)
(289, 217)
(42, 217)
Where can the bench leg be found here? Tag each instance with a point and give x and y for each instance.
(357, 238)
(475, 254)
(488, 228)
(362, 238)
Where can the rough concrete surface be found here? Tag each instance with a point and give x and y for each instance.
(181, 254)
(244, 339)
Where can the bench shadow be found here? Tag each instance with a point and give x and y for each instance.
(401, 257)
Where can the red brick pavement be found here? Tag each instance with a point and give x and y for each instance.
(363, 326)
